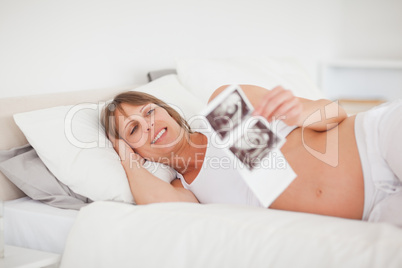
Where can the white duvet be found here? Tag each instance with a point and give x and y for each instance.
(108, 234)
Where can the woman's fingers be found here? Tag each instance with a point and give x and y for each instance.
(116, 143)
(266, 99)
(128, 156)
(125, 152)
(112, 139)
(289, 111)
(123, 149)
(271, 107)
(280, 103)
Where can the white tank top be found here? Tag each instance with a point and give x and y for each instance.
(219, 182)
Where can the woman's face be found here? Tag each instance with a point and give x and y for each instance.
(149, 130)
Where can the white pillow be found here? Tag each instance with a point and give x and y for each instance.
(71, 142)
(203, 76)
(169, 89)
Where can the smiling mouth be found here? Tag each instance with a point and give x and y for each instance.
(158, 136)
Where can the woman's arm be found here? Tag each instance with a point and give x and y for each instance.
(279, 103)
(145, 187)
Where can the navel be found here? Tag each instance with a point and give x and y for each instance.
(318, 192)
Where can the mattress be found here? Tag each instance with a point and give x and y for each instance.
(32, 224)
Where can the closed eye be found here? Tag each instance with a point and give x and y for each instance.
(150, 111)
(134, 129)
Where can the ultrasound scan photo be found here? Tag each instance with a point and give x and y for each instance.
(254, 145)
(228, 114)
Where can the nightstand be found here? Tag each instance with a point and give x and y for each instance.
(15, 257)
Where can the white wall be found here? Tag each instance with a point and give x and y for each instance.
(371, 29)
(52, 46)
(371, 35)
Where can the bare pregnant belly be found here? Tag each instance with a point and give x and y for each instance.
(329, 175)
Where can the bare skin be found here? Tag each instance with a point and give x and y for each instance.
(319, 187)
(329, 175)
(322, 153)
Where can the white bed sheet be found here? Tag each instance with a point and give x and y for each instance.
(32, 224)
(111, 234)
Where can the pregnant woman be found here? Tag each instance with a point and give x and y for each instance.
(347, 167)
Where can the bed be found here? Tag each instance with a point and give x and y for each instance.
(102, 227)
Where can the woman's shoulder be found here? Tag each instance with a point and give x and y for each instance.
(217, 92)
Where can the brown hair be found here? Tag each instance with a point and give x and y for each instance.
(135, 98)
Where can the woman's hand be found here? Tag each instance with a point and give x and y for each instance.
(318, 115)
(145, 187)
(126, 153)
(280, 103)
